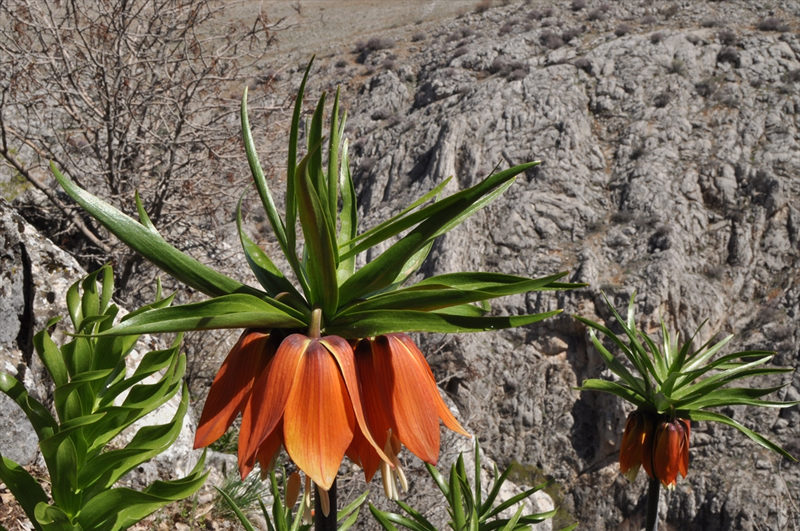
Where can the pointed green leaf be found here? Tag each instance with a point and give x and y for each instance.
(40, 418)
(391, 226)
(348, 218)
(25, 489)
(382, 518)
(438, 219)
(614, 388)
(723, 419)
(365, 324)
(229, 311)
(735, 396)
(151, 246)
(51, 357)
(236, 510)
(319, 242)
(268, 275)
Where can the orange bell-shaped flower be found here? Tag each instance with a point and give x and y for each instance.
(402, 404)
(638, 432)
(307, 400)
(671, 451)
(232, 386)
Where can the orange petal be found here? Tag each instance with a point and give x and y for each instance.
(667, 453)
(268, 400)
(443, 411)
(375, 398)
(630, 452)
(269, 450)
(362, 453)
(648, 444)
(319, 420)
(413, 397)
(684, 461)
(232, 385)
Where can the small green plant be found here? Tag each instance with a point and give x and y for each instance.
(244, 493)
(672, 385)
(94, 402)
(467, 508)
(281, 518)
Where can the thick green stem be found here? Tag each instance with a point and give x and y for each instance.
(651, 521)
(315, 325)
(322, 522)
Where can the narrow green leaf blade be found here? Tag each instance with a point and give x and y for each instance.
(151, 246)
(723, 419)
(228, 311)
(365, 324)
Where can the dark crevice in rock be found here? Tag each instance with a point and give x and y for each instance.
(25, 334)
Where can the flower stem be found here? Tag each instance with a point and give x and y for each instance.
(315, 325)
(322, 522)
(651, 521)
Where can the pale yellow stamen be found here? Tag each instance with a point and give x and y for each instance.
(307, 502)
(324, 500)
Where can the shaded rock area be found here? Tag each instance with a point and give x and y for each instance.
(670, 166)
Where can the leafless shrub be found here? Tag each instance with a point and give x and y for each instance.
(662, 100)
(584, 64)
(670, 11)
(550, 40)
(727, 37)
(138, 85)
(772, 24)
(517, 74)
(569, 34)
(342, 63)
(637, 152)
(656, 37)
(708, 87)
(595, 14)
(715, 272)
(793, 76)
(418, 36)
(506, 28)
(461, 50)
(711, 23)
(577, 5)
(677, 66)
(623, 29)
(649, 20)
(730, 55)
(388, 64)
(367, 164)
(483, 6)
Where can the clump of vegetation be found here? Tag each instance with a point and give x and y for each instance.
(656, 37)
(418, 36)
(551, 40)
(730, 55)
(772, 24)
(662, 100)
(483, 6)
(623, 29)
(727, 37)
(677, 66)
(461, 50)
(711, 23)
(577, 5)
(374, 44)
(584, 64)
(511, 70)
(670, 11)
(571, 33)
(649, 20)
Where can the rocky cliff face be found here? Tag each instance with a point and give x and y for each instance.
(669, 142)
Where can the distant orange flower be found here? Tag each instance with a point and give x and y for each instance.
(638, 429)
(671, 451)
(307, 400)
(401, 404)
(662, 450)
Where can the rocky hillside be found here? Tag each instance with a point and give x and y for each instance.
(671, 166)
(669, 140)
